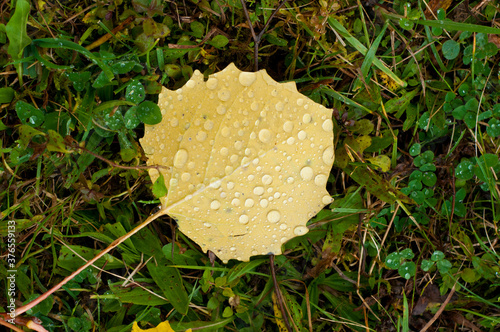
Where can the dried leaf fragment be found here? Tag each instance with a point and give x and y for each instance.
(247, 161)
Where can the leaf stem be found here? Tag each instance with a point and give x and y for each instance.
(113, 245)
(257, 38)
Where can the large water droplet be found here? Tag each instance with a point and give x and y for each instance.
(226, 131)
(327, 125)
(320, 179)
(212, 83)
(254, 106)
(273, 216)
(224, 94)
(258, 190)
(302, 135)
(245, 161)
(264, 203)
(300, 230)
(306, 173)
(307, 118)
(244, 219)
(327, 199)
(191, 84)
(238, 145)
(215, 204)
(267, 179)
(201, 136)
(209, 125)
(180, 158)
(185, 177)
(249, 202)
(221, 109)
(328, 155)
(265, 136)
(235, 202)
(288, 126)
(247, 78)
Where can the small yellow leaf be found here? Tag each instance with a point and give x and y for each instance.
(364, 142)
(55, 142)
(162, 327)
(277, 314)
(381, 161)
(41, 5)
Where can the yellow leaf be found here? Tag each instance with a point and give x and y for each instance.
(41, 5)
(246, 161)
(90, 17)
(162, 327)
(381, 161)
(277, 314)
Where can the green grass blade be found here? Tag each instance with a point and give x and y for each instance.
(370, 55)
(363, 50)
(345, 100)
(493, 320)
(406, 315)
(457, 26)
(243, 268)
(66, 44)
(202, 325)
